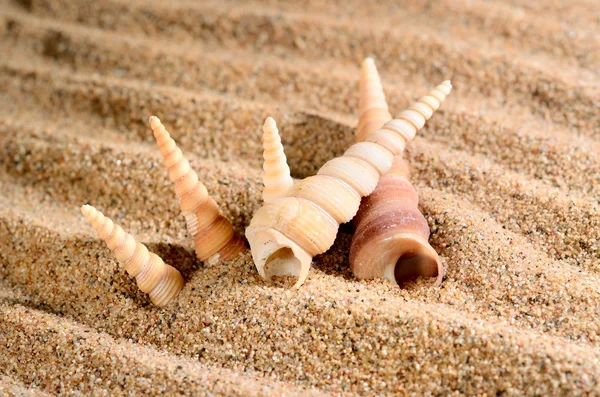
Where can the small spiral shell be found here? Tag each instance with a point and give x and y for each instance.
(213, 235)
(373, 110)
(161, 281)
(286, 233)
(391, 238)
(276, 177)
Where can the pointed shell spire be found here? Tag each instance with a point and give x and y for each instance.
(276, 177)
(373, 110)
(391, 237)
(286, 233)
(213, 234)
(161, 281)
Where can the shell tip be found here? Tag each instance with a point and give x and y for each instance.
(154, 122)
(445, 87)
(86, 210)
(270, 121)
(368, 64)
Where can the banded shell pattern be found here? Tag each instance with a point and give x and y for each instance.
(286, 233)
(161, 281)
(391, 237)
(276, 178)
(214, 237)
(372, 107)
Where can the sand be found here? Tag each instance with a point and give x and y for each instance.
(508, 172)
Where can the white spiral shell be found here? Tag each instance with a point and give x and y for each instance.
(153, 276)
(276, 178)
(373, 110)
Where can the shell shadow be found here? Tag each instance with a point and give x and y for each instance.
(177, 256)
(335, 261)
(310, 140)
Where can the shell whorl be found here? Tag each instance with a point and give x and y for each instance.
(409, 121)
(373, 110)
(213, 234)
(391, 236)
(276, 178)
(286, 233)
(154, 277)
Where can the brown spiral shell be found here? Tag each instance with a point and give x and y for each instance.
(161, 281)
(286, 233)
(391, 237)
(213, 235)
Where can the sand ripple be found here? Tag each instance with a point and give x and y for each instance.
(508, 172)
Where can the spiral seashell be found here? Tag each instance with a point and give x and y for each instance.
(373, 110)
(286, 233)
(276, 178)
(213, 235)
(391, 237)
(161, 281)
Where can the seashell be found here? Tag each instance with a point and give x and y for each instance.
(391, 237)
(161, 281)
(286, 233)
(213, 235)
(276, 178)
(373, 110)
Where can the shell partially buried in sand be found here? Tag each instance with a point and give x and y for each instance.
(214, 237)
(391, 237)
(286, 233)
(161, 281)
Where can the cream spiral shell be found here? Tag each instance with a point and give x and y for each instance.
(161, 281)
(276, 178)
(214, 238)
(286, 233)
(373, 110)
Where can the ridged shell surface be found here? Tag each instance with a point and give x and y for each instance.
(161, 281)
(373, 110)
(213, 234)
(286, 233)
(391, 237)
(276, 178)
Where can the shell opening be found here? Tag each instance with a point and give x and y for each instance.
(417, 259)
(276, 255)
(283, 263)
(411, 265)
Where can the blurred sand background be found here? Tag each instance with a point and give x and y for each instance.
(508, 172)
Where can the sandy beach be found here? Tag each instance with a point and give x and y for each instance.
(507, 170)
